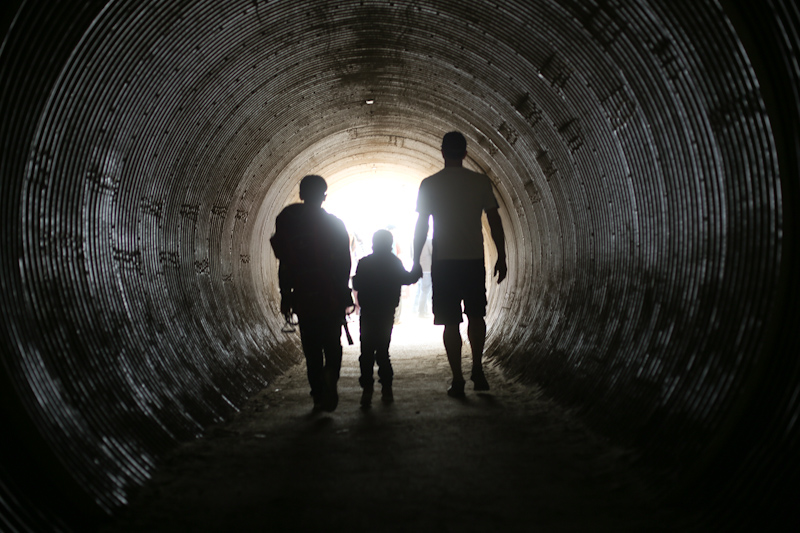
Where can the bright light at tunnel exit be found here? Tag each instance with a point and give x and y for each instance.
(373, 202)
(369, 201)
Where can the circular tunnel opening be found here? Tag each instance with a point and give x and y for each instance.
(639, 153)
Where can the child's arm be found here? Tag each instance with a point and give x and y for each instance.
(409, 278)
(405, 277)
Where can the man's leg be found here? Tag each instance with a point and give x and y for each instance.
(476, 331)
(311, 340)
(452, 345)
(332, 344)
(475, 309)
(447, 312)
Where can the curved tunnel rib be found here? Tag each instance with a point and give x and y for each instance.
(643, 160)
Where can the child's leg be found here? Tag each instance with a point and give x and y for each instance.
(367, 359)
(383, 336)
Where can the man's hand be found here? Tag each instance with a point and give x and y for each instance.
(500, 268)
(499, 238)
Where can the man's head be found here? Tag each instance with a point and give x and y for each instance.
(382, 241)
(312, 189)
(454, 146)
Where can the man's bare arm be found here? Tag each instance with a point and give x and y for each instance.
(499, 238)
(420, 236)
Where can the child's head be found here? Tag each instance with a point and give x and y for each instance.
(382, 241)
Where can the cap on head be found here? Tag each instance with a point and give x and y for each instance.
(454, 145)
(312, 188)
(382, 241)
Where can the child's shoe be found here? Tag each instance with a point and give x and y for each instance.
(387, 396)
(366, 397)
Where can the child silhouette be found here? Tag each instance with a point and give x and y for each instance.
(377, 283)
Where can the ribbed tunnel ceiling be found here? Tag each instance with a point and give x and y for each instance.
(148, 147)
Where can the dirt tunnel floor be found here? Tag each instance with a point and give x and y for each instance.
(503, 460)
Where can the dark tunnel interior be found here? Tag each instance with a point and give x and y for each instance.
(645, 155)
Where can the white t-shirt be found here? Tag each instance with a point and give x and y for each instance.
(456, 197)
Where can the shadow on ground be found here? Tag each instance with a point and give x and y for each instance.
(505, 460)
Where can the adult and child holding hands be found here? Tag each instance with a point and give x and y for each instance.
(313, 249)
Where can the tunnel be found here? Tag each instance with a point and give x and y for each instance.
(645, 158)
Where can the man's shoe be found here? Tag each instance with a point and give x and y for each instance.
(456, 389)
(317, 401)
(317, 406)
(387, 396)
(331, 402)
(366, 397)
(331, 396)
(479, 379)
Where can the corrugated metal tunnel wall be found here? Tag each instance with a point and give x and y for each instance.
(645, 154)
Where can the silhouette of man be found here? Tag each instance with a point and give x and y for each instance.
(456, 198)
(377, 284)
(313, 248)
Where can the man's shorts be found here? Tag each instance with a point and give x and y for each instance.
(455, 281)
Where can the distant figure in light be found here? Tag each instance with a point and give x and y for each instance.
(422, 301)
(313, 248)
(377, 284)
(456, 198)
